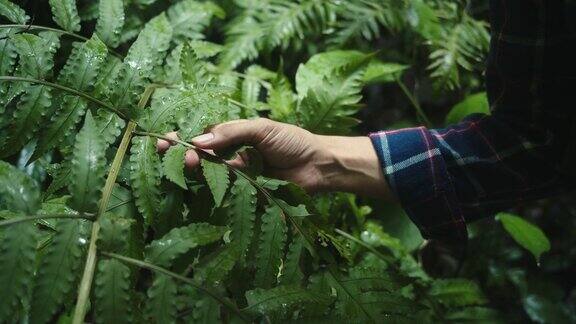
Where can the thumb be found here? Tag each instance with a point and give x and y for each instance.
(233, 133)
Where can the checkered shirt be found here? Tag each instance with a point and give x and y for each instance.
(447, 177)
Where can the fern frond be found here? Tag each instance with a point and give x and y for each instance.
(280, 301)
(65, 14)
(179, 240)
(110, 126)
(270, 247)
(110, 21)
(80, 72)
(88, 167)
(35, 54)
(243, 41)
(217, 178)
(17, 256)
(113, 233)
(173, 164)
(291, 272)
(189, 18)
(13, 12)
(165, 105)
(457, 292)
(107, 77)
(112, 302)
(161, 302)
(8, 56)
(217, 266)
(243, 213)
(18, 191)
(281, 100)
(145, 174)
(58, 270)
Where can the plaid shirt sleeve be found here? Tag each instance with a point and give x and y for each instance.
(485, 164)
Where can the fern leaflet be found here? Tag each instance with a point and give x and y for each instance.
(217, 178)
(161, 303)
(242, 211)
(145, 174)
(66, 14)
(173, 164)
(110, 21)
(112, 302)
(270, 248)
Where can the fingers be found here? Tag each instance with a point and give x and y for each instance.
(163, 145)
(191, 159)
(233, 133)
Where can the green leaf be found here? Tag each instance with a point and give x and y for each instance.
(527, 235)
(161, 302)
(88, 168)
(106, 79)
(204, 49)
(179, 240)
(476, 103)
(80, 72)
(113, 233)
(27, 118)
(109, 125)
(36, 57)
(217, 178)
(173, 164)
(112, 302)
(194, 70)
(217, 266)
(270, 247)
(65, 14)
(378, 71)
(13, 12)
(281, 300)
(18, 191)
(17, 257)
(291, 272)
(281, 100)
(58, 270)
(242, 210)
(110, 21)
(189, 18)
(145, 175)
(8, 57)
(457, 292)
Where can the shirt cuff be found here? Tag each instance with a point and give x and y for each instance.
(416, 172)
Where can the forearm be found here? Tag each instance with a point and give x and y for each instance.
(350, 164)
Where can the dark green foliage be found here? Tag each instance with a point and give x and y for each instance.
(111, 291)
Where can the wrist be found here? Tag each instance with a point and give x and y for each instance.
(350, 164)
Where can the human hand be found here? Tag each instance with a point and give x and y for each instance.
(315, 162)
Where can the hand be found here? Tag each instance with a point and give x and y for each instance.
(315, 162)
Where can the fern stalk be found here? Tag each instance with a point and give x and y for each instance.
(88, 275)
(153, 267)
(421, 114)
(69, 90)
(22, 219)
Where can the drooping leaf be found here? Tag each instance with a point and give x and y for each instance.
(88, 168)
(457, 292)
(58, 270)
(80, 72)
(270, 247)
(17, 256)
(242, 212)
(217, 178)
(281, 300)
(13, 12)
(65, 14)
(110, 21)
(145, 174)
(179, 240)
(112, 302)
(477, 103)
(527, 235)
(18, 191)
(161, 302)
(174, 165)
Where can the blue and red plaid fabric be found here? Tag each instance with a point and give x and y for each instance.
(447, 177)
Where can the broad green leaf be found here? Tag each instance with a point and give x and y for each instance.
(17, 257)
(281, 300)
(242, 212)
(80, 72)
(189, 18)
(13, 12)
(270, 247)
(378, 71)
(457, 292)
(18, 191)
(476, 103)
(173, 164)
(217, 178)
(161, 301)
(291, 272)
(88, 168)
(145, 174)
(110, 21)
(112, 297)
(65, 14)
(179, 240)
(26, 120)
(58, 270)
(527, 235)
(217, 266)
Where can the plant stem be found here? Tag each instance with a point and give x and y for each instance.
(67, 89)
(60, 31)
(22, 219)
(421, 115)
(88, 275)
(153, 267)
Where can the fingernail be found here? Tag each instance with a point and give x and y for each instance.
(203, 138)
